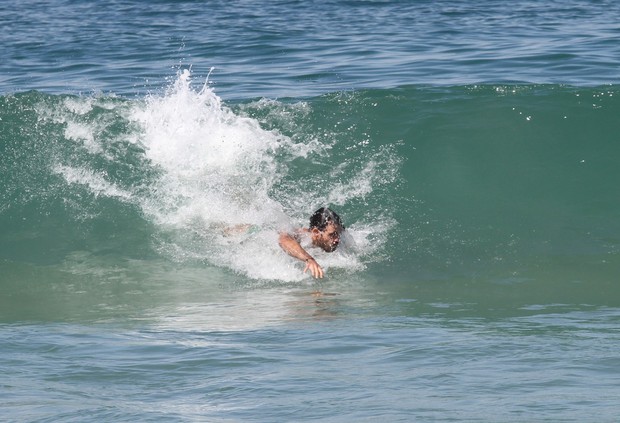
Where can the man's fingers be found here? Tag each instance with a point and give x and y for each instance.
(318, 272)
(315, 269)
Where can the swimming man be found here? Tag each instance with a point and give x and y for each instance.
(325, 230)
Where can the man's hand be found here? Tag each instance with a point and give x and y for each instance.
(292, 248)
(314, 268)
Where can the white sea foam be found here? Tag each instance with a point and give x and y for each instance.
(79, 105)
(83, 133)
(219, 170)
(96, 182)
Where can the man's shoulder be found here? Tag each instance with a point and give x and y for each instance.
(296, 233)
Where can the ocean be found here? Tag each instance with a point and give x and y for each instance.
(470, 148)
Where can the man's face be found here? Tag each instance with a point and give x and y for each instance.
(328, 239)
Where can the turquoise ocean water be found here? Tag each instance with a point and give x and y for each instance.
(471, 149)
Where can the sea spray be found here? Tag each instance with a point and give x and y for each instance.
(172, 173)
(223, 170)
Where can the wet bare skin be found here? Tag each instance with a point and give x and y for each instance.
(327, 239)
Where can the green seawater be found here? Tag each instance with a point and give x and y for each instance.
(479, 283)
(465, 192)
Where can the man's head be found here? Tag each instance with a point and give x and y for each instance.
(325, 228)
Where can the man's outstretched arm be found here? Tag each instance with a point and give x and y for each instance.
(291, 246)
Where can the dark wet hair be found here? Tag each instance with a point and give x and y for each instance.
(322, 217)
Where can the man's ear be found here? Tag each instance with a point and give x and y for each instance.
(314, 231)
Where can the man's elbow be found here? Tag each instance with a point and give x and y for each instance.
(283, 239)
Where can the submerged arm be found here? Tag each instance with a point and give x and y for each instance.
(292, 247)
